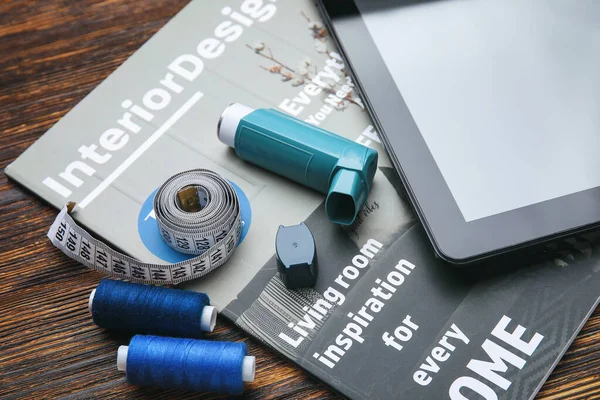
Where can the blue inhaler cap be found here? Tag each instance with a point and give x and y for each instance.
(296, 255)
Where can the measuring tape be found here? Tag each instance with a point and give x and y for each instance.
(197, 213)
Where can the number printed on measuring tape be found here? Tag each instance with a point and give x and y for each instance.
(211, 234)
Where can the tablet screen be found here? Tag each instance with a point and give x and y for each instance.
(505, 93)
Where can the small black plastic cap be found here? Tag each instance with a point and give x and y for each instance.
(296, 256)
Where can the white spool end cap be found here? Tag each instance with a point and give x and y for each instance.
(229, 121)
(122, 358)
(248, 368)
(208, 319)
(91, 300)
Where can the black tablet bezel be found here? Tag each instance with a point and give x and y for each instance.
(453, 238)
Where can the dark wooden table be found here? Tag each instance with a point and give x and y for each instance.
(52, 54)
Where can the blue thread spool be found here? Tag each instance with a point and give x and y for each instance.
(137, 308)
(187, 364)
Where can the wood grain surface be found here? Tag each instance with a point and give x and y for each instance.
(52, 54)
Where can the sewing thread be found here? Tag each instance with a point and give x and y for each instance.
(137, 308)
(188, 364)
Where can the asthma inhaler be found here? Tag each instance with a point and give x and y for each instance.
(304, 153)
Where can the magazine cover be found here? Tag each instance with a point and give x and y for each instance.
(386, 319)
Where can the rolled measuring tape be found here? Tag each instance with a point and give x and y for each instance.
(197, 212)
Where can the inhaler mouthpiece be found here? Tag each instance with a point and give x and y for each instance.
(346, 195)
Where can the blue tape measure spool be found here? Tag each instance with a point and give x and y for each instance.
(137, 308)
(187, 364)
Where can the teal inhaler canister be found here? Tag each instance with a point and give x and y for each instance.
(311, 156)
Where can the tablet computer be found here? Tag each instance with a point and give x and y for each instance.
(488, 109)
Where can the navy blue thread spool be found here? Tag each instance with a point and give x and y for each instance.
(137, 308)
(188, 364)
